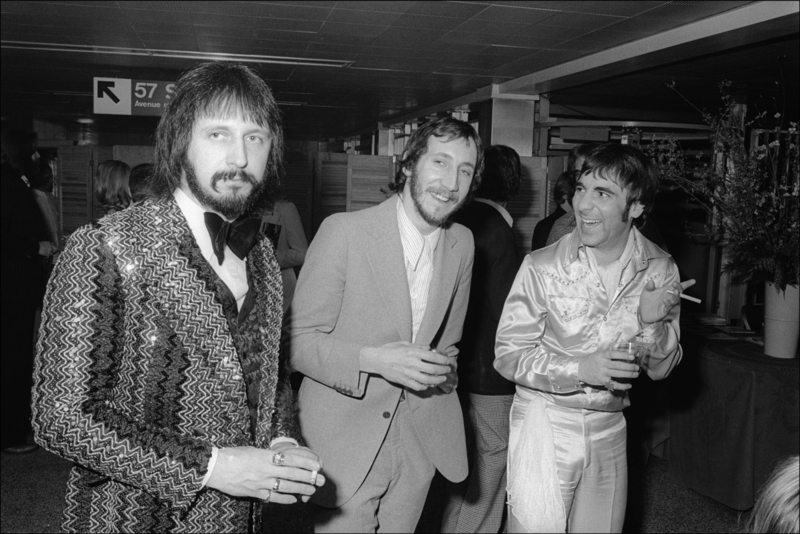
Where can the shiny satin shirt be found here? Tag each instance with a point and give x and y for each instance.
(558, 313)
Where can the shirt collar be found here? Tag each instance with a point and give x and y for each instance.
(412, 239)
(498, 207)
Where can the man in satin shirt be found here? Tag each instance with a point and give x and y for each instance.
(570, 303)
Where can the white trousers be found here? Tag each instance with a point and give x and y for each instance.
(590, 462)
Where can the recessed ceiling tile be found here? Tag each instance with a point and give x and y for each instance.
(342, 38)
(294, 47)
(361, 30)
(541, 36)
(31, 9)
(581, 20)
(609, 38)
(362, 17)
(290, 25)
(446, 9)
(643, 25)
(470, 38)
(492, 26)
(692, 11)
(185, 28)
(145, 16)
(401, 37)
(514, 14)
(579, 45)
(425, 22)
(184, 7)
(237, 9)
(279, 35)
(206, 19)
(71, 10)
(150, 38)
(385, 7)
(183, 45)
(597, 7)
(280, 11)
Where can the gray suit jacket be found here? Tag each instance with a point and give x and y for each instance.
(353, 292)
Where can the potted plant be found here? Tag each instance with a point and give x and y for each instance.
(750, 189)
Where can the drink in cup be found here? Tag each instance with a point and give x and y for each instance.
(639, 351)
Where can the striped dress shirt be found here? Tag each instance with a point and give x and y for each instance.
(418, 251)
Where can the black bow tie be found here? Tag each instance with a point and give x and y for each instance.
(240, 235)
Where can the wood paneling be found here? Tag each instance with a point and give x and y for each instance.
(330, 186)
(367, 179)
(75, 187)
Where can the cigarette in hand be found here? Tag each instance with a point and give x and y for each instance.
(685, 296)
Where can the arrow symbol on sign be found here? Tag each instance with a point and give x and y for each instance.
(105, 87)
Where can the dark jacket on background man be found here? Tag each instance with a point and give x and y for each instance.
(492, 276)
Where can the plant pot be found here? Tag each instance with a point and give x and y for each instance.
(781, 321)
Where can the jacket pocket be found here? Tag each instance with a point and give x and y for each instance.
(569, 308)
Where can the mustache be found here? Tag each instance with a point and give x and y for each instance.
(231, 175)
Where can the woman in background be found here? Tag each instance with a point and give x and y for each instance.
(777, 508)
(111, 188)
(284, 227)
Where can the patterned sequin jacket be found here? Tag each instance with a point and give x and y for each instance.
(138, 375)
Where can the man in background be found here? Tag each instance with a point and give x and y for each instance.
(562, 196)
(376, 316)
(477, 504)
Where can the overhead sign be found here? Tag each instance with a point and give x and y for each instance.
(123, 96)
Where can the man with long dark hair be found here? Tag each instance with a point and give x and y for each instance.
(158, 371)
(376, 316)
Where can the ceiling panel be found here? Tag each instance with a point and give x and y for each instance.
(406, 55)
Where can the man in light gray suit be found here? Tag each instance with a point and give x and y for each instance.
(376, 316)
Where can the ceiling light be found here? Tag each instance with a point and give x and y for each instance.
(179, 54)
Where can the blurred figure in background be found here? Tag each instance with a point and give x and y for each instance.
(477, 504)
(42, 190)
(24, 244)
(139, 181)
(283, 226)
(777, 508)
(111, 187)
(562, 195)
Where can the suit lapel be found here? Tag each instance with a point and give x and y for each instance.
(445, 272)
(385, 256)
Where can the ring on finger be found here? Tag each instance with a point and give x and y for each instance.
(265, 500)
(278, 458)
(277, 486)
(609, 385)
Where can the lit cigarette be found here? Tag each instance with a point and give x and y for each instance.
(685, 296)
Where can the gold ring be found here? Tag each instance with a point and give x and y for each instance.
(277, 486)
(265, 500)
(277, 458)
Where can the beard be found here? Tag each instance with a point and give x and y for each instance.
(429, 217)
(231, 206)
